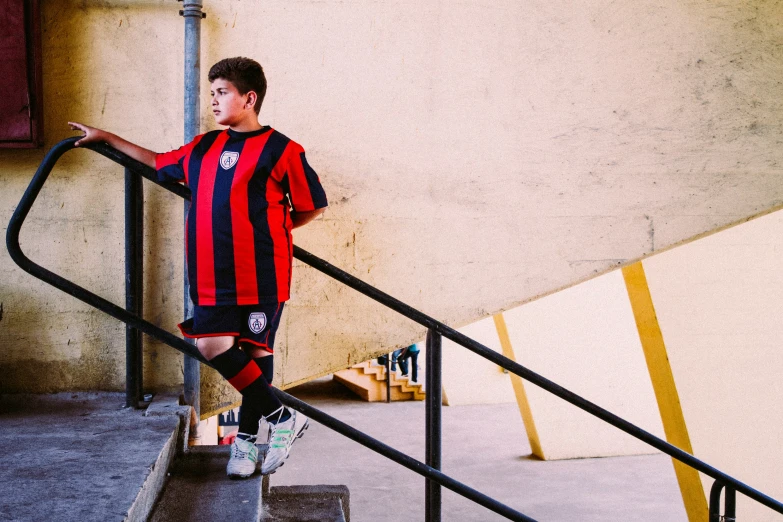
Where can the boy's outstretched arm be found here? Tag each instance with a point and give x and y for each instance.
(93, 135)
(302, 218)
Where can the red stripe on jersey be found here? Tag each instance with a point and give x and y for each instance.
(280, 231)
(242, 228)
(205, 249)
(301, 198)
(164, 159)
(246, 376)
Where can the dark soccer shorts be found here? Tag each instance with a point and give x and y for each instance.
(254, 324)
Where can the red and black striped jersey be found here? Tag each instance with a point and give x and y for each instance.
(238, 232)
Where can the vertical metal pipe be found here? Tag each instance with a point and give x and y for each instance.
(193, 15)
(134, 249)
(432, 504)
(139, 283)
(730, 511)
(388, 377)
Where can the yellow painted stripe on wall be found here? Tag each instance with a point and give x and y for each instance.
(519, 389)
(665, 389)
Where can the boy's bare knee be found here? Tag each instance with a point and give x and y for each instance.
(254, 351)
(211, 347)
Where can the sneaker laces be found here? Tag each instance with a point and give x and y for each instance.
(239, 453)
(285, 436)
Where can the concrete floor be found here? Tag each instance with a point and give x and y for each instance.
(484, 447)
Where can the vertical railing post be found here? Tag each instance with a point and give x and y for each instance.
(730, 503)
(433, 423)
(730, 511)
(388, 377)
(715, 491)
(134, 288)
(193, 15)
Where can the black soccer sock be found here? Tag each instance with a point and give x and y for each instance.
(244, 374)
(267, 365)
(250, 413)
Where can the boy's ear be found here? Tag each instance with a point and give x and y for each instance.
(251, 98)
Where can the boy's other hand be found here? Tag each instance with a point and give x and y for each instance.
(91, 134)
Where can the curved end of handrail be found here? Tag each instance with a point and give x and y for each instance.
(23, 208)
(42, 173)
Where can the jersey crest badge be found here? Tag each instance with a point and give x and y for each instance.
(228, 159)
(257, 320)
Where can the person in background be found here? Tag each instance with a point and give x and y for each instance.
(412, 353)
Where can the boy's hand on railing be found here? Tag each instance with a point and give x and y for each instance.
(91, 134)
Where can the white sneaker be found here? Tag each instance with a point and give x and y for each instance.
(244, 456)
(281, 436)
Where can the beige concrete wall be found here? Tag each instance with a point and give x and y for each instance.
(470, 379)
(719, 302)
(536, 144)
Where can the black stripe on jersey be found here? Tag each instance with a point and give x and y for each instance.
(316, 190)
(222, 225)
(194, 171)
(273, 150)
(257, 206)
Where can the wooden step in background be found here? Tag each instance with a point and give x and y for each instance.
(368, 381)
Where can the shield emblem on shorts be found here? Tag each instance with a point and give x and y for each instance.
(257, 322)
(228, 159)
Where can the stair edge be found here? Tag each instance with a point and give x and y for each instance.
(142, 506)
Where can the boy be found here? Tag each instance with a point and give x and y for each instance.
(239, 246)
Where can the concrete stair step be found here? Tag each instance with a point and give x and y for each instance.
(82, 456)
(307, 504)
(198, 489)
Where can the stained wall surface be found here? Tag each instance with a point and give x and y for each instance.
(476, 155)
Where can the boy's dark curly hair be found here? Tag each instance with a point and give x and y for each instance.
(246, 75)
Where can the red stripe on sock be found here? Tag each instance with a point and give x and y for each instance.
(244, 378)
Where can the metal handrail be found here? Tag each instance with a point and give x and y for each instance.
(14, 249)
(432, 324)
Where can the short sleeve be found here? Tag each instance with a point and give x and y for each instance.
(170, 166)
(303, 183)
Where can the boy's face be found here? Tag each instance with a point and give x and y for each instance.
(229, 107)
